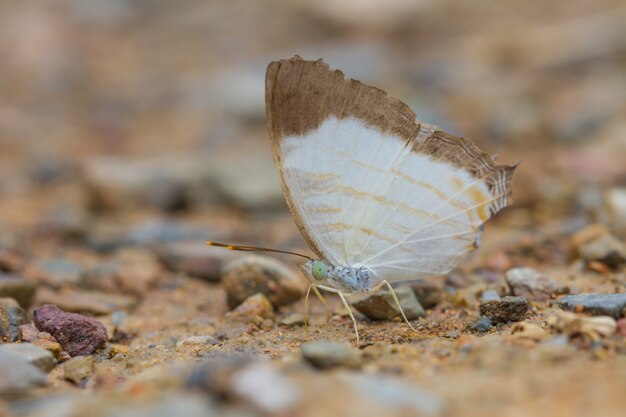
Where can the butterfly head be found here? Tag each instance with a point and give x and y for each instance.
(316, 271)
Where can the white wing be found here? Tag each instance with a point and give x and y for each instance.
(370, 199)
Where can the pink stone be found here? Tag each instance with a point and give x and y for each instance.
(78, 334)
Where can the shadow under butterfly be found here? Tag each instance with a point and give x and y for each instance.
(377, 195)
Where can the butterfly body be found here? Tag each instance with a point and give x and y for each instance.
(346, 279)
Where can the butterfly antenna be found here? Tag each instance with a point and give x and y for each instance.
(253, 249)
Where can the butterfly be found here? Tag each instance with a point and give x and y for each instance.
(378, 196)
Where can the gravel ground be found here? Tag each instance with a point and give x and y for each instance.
(131, 133)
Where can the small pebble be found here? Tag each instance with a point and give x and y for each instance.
(621, 326)
(293, 319)
(606, 249)
(12, 316)
(254, 274)
(326, 354)
(35, 355)
(77, 334)
(529, 331)
(78, 368)
(481, 325)
(505, 309)
(380, 305)
(615, 200)
(30, 334)
(198, 340)
(613, 305)
(529, 283)
(16, 287)
(255, 309)
(573, 324)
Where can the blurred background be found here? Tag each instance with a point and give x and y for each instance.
(137, 108)
(131, 131)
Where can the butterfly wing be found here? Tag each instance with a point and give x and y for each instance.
(366, 183)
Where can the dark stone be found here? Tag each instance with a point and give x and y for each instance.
(505, 309)
(16, 287)
(12, 316)
(596, 304)
(481, 325)
(78, 334)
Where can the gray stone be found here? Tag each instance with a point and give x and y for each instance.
(252, 274)
(481, 325)
(529, 283)
(326, 354)
(57, 272)
(12, 316)
(78, 368)
(194, 258)
(16, 287)
(380, 305)
(505, 309)
(35, 355)
(606, 249)
(596, 304)
(17, 375)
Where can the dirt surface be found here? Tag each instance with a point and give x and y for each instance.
(131, 132)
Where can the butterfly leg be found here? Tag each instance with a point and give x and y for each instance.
(345, 303)
(306, 300)
(323, 301)
(395, 298)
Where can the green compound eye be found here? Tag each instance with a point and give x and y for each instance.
(319, 270)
